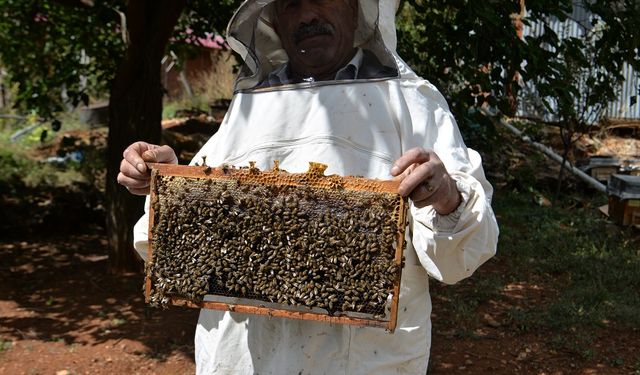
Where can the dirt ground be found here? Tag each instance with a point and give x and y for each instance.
(62, 313)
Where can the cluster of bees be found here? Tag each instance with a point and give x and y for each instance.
(326, 248)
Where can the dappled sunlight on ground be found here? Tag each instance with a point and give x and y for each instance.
(61, 310)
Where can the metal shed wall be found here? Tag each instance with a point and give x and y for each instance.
(575, 26)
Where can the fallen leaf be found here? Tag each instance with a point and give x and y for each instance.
(491, 321)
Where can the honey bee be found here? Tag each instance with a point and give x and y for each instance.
(286, 248)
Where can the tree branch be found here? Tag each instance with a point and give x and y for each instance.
(76, 3)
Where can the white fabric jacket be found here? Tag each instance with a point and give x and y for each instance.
(360, 129)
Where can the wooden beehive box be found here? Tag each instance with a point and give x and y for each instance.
(624, 199)
(303, 246)
(602, 167)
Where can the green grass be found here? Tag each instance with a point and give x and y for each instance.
(21, 163)
(594, 262)
(5, 345)
(19, 168)
(587, 267)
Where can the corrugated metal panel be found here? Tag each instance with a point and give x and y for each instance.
(623, 108)
(575, 26)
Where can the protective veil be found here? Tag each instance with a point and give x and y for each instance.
(356, 127)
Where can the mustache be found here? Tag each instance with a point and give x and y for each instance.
(313, 29)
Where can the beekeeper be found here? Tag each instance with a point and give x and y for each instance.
(322, 82)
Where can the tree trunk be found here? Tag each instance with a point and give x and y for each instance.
(135, 110)
(566, 135)
(513, 73)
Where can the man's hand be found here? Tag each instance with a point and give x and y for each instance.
(426, 181)
(134, 174)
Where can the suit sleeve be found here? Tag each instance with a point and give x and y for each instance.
(141, 233)
(452, 247)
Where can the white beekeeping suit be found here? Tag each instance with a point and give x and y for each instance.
(356, 127)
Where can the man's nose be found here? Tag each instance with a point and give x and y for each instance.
(309, 11)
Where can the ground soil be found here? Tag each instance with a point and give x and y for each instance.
(61, 311)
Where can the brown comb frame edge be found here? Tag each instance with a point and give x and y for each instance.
(153, 195)
(315, 170)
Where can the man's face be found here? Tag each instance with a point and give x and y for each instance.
(317, 34)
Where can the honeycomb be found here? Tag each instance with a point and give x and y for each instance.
(326, 245)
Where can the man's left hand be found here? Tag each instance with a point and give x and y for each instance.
(425, 180)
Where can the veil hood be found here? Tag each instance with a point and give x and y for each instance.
(251, 34)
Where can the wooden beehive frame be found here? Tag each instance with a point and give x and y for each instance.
(313, 178)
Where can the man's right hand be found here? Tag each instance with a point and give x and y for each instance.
(134, 174)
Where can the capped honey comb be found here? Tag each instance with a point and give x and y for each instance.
(295, 245)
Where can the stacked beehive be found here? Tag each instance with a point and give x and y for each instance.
(624, 199)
